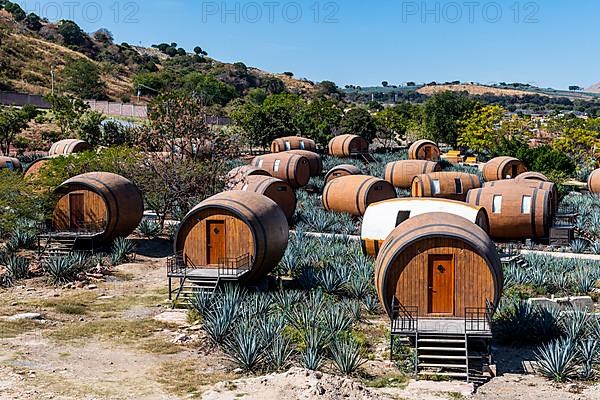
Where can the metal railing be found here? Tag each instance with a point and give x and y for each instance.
(176, 265)
(234, 266)
(478, 319)
(404, 318)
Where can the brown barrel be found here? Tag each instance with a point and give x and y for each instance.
(594, 182)
(293, 143)
(403, 263)
(341, 170)
(291, 168)
(500, 168)
(277, 190)
(352, 194)
(239, 174)
(401, 173)
(316, 164)
(510, 216)
(535, 184)
(68, 146)
(348, 145)
(35, 167)
(10, 163)
(532, 176)
(123, 201)
(445, 185)
(424, 150)
(251, 211)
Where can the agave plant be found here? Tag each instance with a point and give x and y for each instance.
(285, 300)
(149, 228)
(584, 280)
(202, 302)
(245, 348)
(122, 249)
(355, 309)
(21, 238)
(17, 266)
(359, 286)
(579, 246)
(372, 304)
(279, 353)
(587, 354)
(576, 324)
(270, 327)
(336, 318)
(595, 247)
(218, 322)
(557, 360)
(330, 280)
(312, 358)
(346, 355)
(62, 269)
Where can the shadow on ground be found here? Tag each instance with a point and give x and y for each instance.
(154, 248)
(510, 359)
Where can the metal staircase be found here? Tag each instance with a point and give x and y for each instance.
(51, 246)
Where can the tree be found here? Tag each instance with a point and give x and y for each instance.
(359, 121)
(385, 84)
(90, 129)
(392, 125)
(575, 88)
(330, 89)
(199, 51)
(33, 22)
(71, 33)
(442, 113)
(103, 35)
(210, 89)
(12, 122)
(577, 137)
(82, 78)
(479, 130)
(272, 85)
(16, 10)
(319, 120)
(66, 112)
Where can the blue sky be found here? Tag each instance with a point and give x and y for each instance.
(548, 43)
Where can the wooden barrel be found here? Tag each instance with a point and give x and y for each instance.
(407, 267)
(316, 164)
(515, 212)
(277, 190)
(35, 167)
(251, 226)
(381, 218)
(532, 176)
(112, 197)
(348, 145)
(341, 170)
(10, 163)
(445, 185)
(500, 168)
(239, 174)
(354, 193)
(594, 182)
(291, 168)
(535, 184)
(293, 143)
(68, 146)
(424, 150)
(401, 173)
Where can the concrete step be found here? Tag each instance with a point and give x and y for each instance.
(449, 374)
(441, 349)
(444, 365)
(441, 357)
(439, 340)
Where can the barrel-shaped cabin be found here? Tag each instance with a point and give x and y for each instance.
(239, 174)
(293, 143)
(438, 266)
(10, 163)
(500, 168)
(532, 176)
(516, 212)
(342, 170)
(36, 166)
(401, 173)
(275, 189)
(98, 205)
(291, 168)
(445, 185)
(382, 218)
(424, 150)
(237, 234)
(354, 193)
(535, 184)
(348, 146)
(594, 182)
(314, 160)
(68, 146)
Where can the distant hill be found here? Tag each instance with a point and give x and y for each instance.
(472, 90)
(594, 88)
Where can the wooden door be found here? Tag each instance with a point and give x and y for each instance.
(76, 211)
(515, 171)
(215, 234)
(427, 153)
(441, 284)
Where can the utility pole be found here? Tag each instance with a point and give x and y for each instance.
(52, 75)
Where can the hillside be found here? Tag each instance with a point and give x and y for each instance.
(594, 88)
(476, 90)
(30, 56)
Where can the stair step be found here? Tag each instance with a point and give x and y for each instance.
(441, 349)
(442, 357)
(437, 365)
(451, 374)
(440, 340)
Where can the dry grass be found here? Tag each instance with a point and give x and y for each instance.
(160, 346)
(115, 330)
(473, 90)
(10, 329)
(187, 378)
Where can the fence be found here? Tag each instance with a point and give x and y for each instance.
(22, 99)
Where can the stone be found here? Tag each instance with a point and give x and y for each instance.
(25, 316)
(541, 301)
(106, 297)
(178, 318)
(582, 302)
(92, 287)
(182, 338)
(318, 374)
